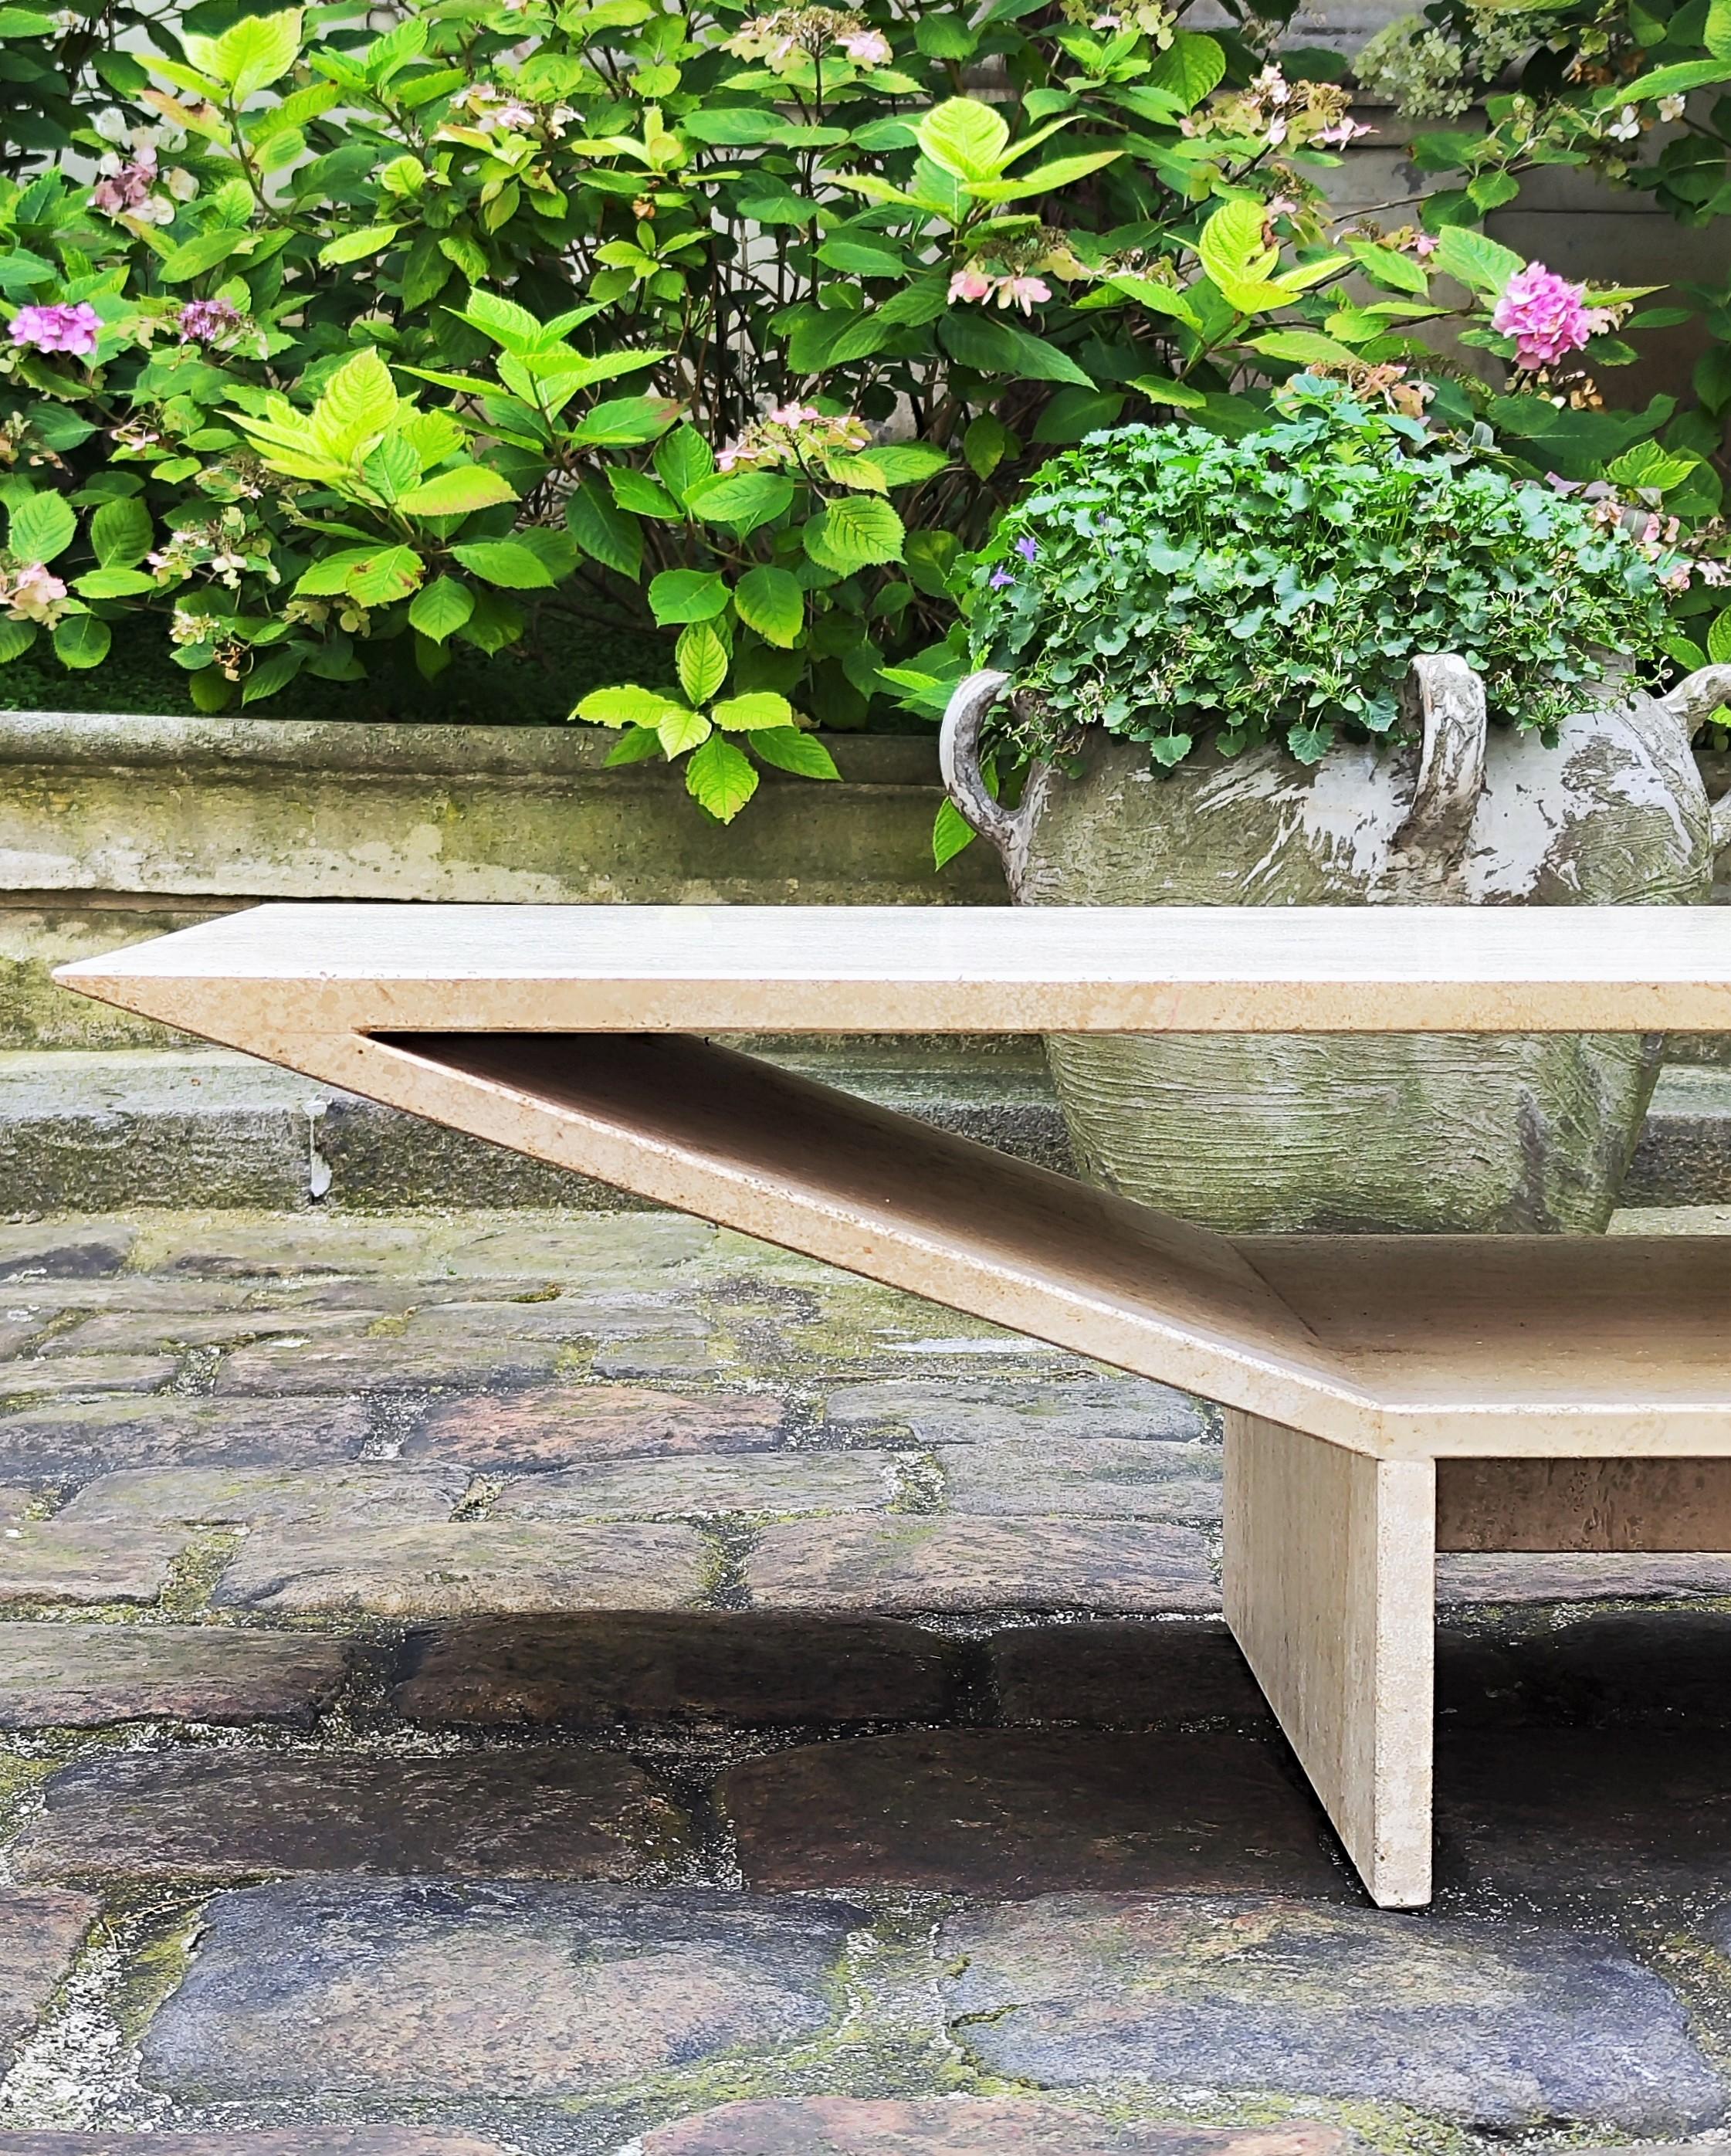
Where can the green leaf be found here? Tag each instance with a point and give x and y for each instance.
(16, 637)
(944, 37)
(274, 673)
(684, 459)
(734, 126)
(114, 583)
(1075, 412)
(353, 246)
(641, 494)
(992, 345)
(1046, 179)
(790, 748)
(1489, 191)
(390, 575)
(441, 608)
(1719, 639)
(505, 561)
(625, 419)
(456, 493)
(678, 595)
(120, 533)
(745, 499)
(255, 52)
(635, 745)
(1718, 36)
(701, 659)
(1308, 347)
(853, 533)
(720, 778)
(859, 255)
(1676, 82)
(770, 602)
(25, 23)
(1162, 299)
(951, 834)
(744, 715)
(1192, 68)
(626, 704)
(42, 526)
(1161, 389)
(81, 640)
(202, 252)
(1386, 266)
(1473, 260)
(356, 405)
(985, 444)
(680, 731)
(905, 464)
(605, 534)
(965, 138)
(1233, 246)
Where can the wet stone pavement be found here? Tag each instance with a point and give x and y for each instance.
(591, 1685)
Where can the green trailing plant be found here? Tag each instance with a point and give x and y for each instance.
(1172, 587)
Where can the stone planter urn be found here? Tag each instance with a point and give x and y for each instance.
(1444, 1132)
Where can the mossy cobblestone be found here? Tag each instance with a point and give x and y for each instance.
(439, 1763)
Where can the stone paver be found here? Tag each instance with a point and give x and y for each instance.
(80, 1250)
(90, 1561)
(1123, 1675)
(968, 1409)
(40, 1929)
(1560, 1818)
(1615, 1667)
(470, 1566)
(296, 2141)
(93, 1437)
(386, 1366)
(410, 1988)
(1587, 1576)
(649, 1667)
(1113, 1478)
(60, 1676)
(786, 1483)
(71, 1377)
(573, 1423)
(145, 1332)
(226, 1815)
(915, 1563)
(319, 1500)
(967, 2126)
(1496, 2026)
(1014, 1812)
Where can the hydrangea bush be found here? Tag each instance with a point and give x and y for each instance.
(741, 327)
(1169, 585)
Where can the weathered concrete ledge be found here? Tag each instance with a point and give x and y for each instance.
(82, 1132)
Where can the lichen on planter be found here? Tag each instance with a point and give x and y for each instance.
(1484, 1133)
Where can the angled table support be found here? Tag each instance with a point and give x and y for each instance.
(1385, 1396)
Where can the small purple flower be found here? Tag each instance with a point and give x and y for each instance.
(64, 328)
(1028, 548)
(999, 577)
(203, 321)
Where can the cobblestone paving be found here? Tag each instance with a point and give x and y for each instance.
(591, 1686)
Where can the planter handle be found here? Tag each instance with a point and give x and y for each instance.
(1696, 697)
(1450, 697)
(959, 759)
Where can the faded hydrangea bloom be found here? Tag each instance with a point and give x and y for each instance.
(780, 39)
(790, 435)
(34, 593)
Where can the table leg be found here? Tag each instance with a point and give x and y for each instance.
(1330, 1591)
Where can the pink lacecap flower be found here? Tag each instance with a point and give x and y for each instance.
(1545, 314)
(62, 328)
(971, 285)
(124, 185)
(792, 415)
(866, 48)
(1024, 292)
(1425, 244)
(1343, 132)
(202, 321)
(37, 595)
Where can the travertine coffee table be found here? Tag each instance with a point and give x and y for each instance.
(1386, 1397)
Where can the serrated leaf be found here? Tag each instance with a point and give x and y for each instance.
(114, 583)
(744, 715)
(42, 525)
(355, 246)
(854, 532)
(965, 137)
(1307, 347)
(392, 574)
(1717, 36)
(906, 463)
(202, 252)
(456, 493)
(642, 495)
(1160, 299)
(357, 405)
(507, 562)
(120, 533)
(82, 640)
(789, 748)
(16, 637)
(605, 533)
(951, 834)
(625, 419)
(681, 595)
(1192, 68)
(745, 499)
(1719, 639)
(635, 745)
(1474, 259)
(679, 730)
(252, 53)
(625, 704)
(1676, 82)
(1386, 266)
(701, 659)
(684, 459)
(274, 673)
(720, 778)
(1046, 179)
(992, 345)
(1233, 245)
(771, 602)
(441, 608)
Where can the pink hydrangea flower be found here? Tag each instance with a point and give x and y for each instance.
(72, 329)
(1024, 292)
(970, 284)
(203, 321)
(34, 593)
(1545, 314)
(866, 48)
